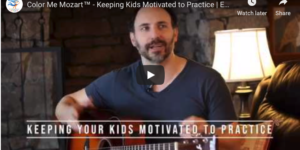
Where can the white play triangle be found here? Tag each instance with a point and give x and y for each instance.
(150, 75)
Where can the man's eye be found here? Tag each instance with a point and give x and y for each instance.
(144, 28)
(162, 26)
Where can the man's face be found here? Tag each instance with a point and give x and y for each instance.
(154, 36)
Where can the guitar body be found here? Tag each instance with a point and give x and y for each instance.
(96, 142)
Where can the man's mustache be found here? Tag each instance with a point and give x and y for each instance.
(155, 41)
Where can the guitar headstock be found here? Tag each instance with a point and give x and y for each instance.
(208, 142)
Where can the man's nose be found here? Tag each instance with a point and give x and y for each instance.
(155, 32)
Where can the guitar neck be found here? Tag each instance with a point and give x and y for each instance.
(160, 146)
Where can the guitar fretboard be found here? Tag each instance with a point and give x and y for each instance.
(160, 146)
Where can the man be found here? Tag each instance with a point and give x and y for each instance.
(190, 91)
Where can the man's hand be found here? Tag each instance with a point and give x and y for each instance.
(191, 121)
(223, 143)
(227, 143)
(70, 107)
(68, 112)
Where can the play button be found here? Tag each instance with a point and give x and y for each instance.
(150, 74)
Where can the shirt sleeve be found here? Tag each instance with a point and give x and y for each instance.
(219, 101)
(101, 90)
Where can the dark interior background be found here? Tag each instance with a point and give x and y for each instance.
(93, 42)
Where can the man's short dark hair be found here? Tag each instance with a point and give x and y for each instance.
(173, 16)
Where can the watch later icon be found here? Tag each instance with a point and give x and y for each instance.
(252, 2)
(283, 2)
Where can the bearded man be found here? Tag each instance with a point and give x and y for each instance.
(190, 90)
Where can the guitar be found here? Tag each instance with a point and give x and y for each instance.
(195, 144)
(94, 142)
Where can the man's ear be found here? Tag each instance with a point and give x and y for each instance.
(132, 39)
(176, 34)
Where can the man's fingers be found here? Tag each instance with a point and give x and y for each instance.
(74, 125)
(189, 123)
(186, 135)
(72, 120)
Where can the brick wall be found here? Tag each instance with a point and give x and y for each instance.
(95, 42)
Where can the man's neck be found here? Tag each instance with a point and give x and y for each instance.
(173, 65)
(170, 62)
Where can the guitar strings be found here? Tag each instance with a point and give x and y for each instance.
(132, 148)
(163, 145)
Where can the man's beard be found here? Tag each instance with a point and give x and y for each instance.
(156, 57)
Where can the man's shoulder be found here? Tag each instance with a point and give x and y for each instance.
(201, 70)
(127, 70)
